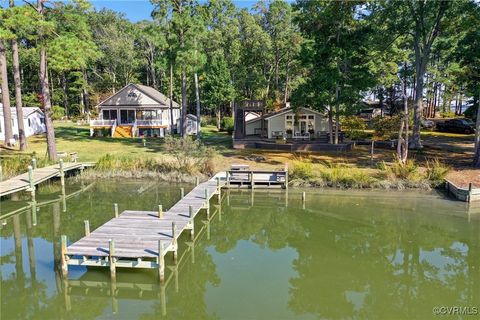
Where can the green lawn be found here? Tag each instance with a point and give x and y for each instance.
(74, 138)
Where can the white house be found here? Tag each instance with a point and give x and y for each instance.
(288, 123)
(135, 110)
(33, 122)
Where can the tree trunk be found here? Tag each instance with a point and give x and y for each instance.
(476, 158)
(402, 145)
(330, 124)
(45, 94)
(197, 96)
(417, 111)
(7, 115)
(337, 112)
(65, 96)
(18, 96)
(184, 103)
(171, 99)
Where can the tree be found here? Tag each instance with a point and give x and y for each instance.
(43, 79)
(7, 116)
(17, 21)
(218, 90)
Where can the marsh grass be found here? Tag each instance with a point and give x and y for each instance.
(18, 164)
(395, 175)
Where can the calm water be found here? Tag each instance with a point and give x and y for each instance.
(346, 254)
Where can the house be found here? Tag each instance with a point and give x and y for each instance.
(288, 123)
(33, 122)
(136, 110)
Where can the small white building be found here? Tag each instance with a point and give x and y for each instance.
(288, 123)
(33, 121)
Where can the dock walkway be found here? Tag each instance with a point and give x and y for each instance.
(140, 239)
(28, 180)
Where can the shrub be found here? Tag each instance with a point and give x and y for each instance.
(386, 127)
(226, 124)
(57, 112)
(471, 112)
(447, 114)
(354, 128)
(18, 164)
(403, 171)
(190, 154)
(302, 169)
(436, 171)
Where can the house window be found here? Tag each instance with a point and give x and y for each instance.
(132, 95)
(42, 120)
(149, 115)
(109, 114)
(29, 123)
(289, 122)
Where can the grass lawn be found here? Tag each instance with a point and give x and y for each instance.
(454, 149)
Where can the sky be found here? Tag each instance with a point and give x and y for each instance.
(135, 10)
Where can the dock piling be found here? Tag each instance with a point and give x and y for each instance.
(160, 211)
(111, 259)
(207, 203)
(34, 163)
(161, 262)
(303, 200)
(62, 173)
(115, 208)
(174, 241)
(190, 214)
(87, 227)
(197, 181)
(63, 252)
(31, 182)
(182, 193)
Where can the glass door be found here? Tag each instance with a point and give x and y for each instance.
(127, 116)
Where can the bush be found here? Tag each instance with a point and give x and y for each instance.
(226, 124)
(436, 171)
(57, 112)
(354, 128)
(471, 112)
(302, 169)
(386, 127)
(190, 154)
(447, 114)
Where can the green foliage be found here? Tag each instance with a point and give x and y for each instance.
(190, 154)
(447, 114)
(226, 124)
(57, 112)
(471, 112)
(354, 127)
(386, 127)
(436, 171)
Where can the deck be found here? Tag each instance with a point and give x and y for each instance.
(140, 239)
(28, 180)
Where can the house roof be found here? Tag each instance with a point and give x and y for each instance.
(27, 111)
(150, 92)
(191, 116)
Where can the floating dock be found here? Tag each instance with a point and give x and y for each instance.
(140, 239)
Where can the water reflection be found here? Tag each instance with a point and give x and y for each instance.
(264, 254)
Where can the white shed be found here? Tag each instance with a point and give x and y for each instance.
(33, 121)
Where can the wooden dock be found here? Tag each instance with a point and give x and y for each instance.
(257, 178)
(35, 176)
(140, 239)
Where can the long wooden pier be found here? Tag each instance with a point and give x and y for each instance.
(35, 176)
(140, 239)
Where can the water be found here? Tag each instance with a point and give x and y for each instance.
(347, 254)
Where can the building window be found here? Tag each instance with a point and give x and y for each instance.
(289, 122)
(132, 94)
(42, 120)
(29, 122)
(109, 114)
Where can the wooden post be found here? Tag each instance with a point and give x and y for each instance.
(34, 213)
(252, 182)
(63, 252)
(30, 178)
(207, 203)
(161, 262)
(115, 208)
(303, 200)
(111, 259)
(219, 190)
(62, 174)
(470, 190)
(182, 193)
(160, 211)
(286, 175)
(190, 214)
(227, 178)
(87, 227)
(163, 300)
(34, 163)
(372, 150)
(174, 241)
(197, 181)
